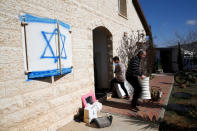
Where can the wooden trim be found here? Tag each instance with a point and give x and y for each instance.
(122, 8)
(59, 52)
(142, 17)
(122, 16)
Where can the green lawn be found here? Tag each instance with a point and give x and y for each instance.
(187, 121)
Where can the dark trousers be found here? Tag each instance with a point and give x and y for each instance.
(113, 81)
(133, 80)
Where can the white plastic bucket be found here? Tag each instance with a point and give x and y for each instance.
(119, 91)
(128, 87)
(145, 88)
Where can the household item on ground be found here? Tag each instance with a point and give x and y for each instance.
(91, 111)
(109, 95)
(156, 93)
(88, 98)
(159, 71)
(91, 107)
(145, 88)
(119, 91)
(102, 122)
(79, 116)
(89, 115)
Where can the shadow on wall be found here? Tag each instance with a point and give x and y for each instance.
(48, 79)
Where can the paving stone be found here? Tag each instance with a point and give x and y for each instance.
(148, 111)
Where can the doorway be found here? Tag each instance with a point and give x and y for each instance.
(102, 55)
(166, 60)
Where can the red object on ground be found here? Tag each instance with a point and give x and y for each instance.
(148, 111)
(83, 98)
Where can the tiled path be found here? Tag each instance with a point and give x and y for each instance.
(148, 111)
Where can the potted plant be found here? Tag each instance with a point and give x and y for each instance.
(156, 94)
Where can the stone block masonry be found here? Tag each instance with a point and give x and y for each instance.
(42, 105)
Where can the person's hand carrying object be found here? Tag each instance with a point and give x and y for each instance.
(142, 77)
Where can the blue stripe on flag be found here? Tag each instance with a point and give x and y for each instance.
(38, 74)
(35, 19)
(64, 25)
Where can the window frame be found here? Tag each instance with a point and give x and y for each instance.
(119, 10)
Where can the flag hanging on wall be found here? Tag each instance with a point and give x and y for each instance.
(47, 46)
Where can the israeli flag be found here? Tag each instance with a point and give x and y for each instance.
(47, 46)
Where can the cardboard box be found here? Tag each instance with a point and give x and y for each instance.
(89, 113)
(92, 111)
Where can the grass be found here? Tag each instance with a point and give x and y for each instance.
(181, 121)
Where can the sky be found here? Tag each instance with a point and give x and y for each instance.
(169, 16)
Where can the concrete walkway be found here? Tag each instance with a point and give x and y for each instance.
(126, 120)
(119, 123)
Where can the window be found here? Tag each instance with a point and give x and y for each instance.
(122, 6)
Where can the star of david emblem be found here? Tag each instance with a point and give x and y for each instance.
(49, 47)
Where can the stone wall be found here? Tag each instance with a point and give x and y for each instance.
(41, 105)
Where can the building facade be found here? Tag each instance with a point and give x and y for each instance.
(167, 57)
(49, 103)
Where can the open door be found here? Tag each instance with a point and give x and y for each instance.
(103, 64)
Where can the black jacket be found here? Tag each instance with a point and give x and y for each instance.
(133, 69)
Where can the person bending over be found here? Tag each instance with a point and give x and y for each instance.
(119, 75)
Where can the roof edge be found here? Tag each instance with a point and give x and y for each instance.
(142, 17)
